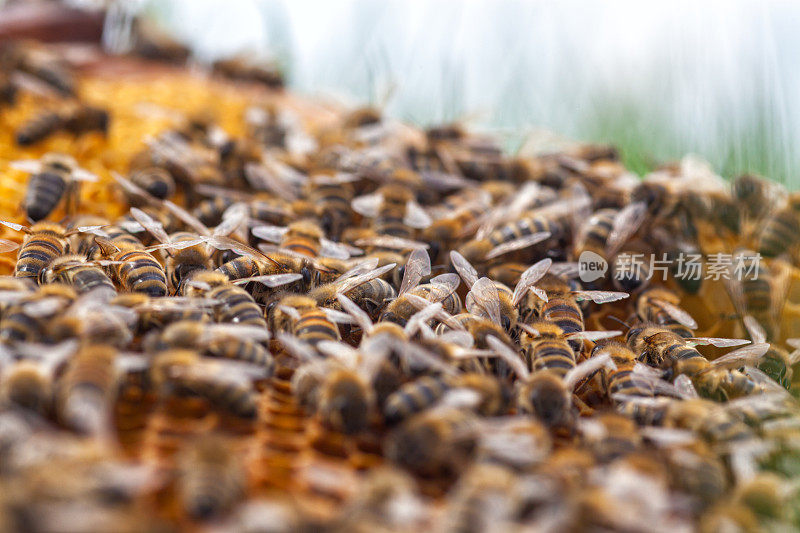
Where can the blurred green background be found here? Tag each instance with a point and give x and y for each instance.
(717, 79)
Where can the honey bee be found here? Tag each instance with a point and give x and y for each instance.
(545, 393)
(226, 341)
(84, 118)
(777, 362)
(362, 284)
(38, 128)
(332, 196)
(157, 313)
(755, 196)
(306, 238)
(26, 318)
(300, 316)
(436, 442)
(486, 394)
(246, 68)
(486, 496)
(29, 382)
(74, 270)
(135, 269)
(546, 345)
(156, 181)
(225, 384)
(211, 479)
(338, 390)
(487, 298)
(660, 305)
(85, 389)
(394, 211)
(54, 176)
(412, 296)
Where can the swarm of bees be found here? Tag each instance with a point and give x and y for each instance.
(353, 324)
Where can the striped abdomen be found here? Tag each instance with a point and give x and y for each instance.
(780, 233)
(36, 252)
(85, 278)
(414, 397)
(313, 326)
(210, 211)
(523, 227)
(553, 354)
(39, 128)
(242, 350)
(140, 272)
(451, 303)
(302, 244)
(238, 307)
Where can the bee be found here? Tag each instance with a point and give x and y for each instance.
(487, 298)
(85, 389)
(412, 296)
(679, 356)
(610, 436)
(661, 306)
(487, 496)
(156, 181)
(779, 233)
(755, 196)
(157, 313)
(49, 68)
(225, 341)
(225, 384)
(338, 389)
(13, 290)
(777, 362)
(304, 237)
(436, 442)
(621, 379)
(27, 318)
(300, 316)
(247, 69)
(29, 382)
(211, 479)
(74, 270)
(546, 346)
(394, 211)
(54, 176)
(135, 269)
(488, 395)
(550, 297)
(38, 128)
(545, 393)
(331, 196)
(83, 118)
(362, 284)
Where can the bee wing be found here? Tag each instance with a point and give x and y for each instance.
(177, 245)
(417, 266)
(464, 268)
(770, 385)
(518, 244)
(31, 166)
(421, 317)
(345, 354)
(297, 348)
(43, 307)
(361, 318)
(685, 387)
(442, 316)
(269, 233)
(587, 368)
(225, 243)
(337, 316)
(510, 356)
(625, 225)
(526, 281)
(718, 342)
(445, 181)
(271, 280)
(594, 336)
(175, 303)
(676, 313)
(754, 329)
(262, 178)
(361, 268)
(533, 332)
(461, 398)
(443, 286)
(7, 246)
(186, 217)
(336, 179)
(233, 218)
(15, 227)
(349, 284)
(367, 205)
(239, 331)
(485, 296)
(416, 216)
(600, 297)
(394, 243)
(50, 355)
(81, 174)
(151, 225)
(742, 357)
(459, 337)
(337, 250)
(563, 269)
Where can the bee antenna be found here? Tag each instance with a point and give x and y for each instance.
(612, 317)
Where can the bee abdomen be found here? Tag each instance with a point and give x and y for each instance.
(140, 272)
(35, 254)
(39, 128)
(238, 306)
(414, 397)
